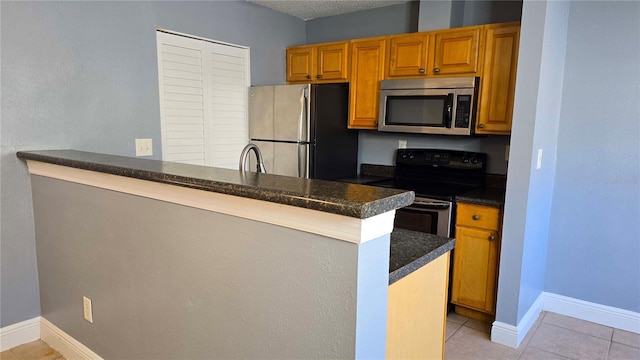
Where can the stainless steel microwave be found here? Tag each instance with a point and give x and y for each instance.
(429, 106)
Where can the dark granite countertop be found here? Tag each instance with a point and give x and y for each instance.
(487, 196)
(411, 250)
(491, 194)
(353, 200)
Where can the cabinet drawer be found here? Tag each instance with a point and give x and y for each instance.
(478, 216)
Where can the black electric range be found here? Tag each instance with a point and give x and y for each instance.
(436, 176)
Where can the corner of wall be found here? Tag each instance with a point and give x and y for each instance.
(509, 335)
(19, 333)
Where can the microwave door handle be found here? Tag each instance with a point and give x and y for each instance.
(449, 110)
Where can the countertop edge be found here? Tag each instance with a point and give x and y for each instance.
(479, 200)
(406, 248)
(338, 206)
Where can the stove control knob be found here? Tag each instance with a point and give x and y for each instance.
(411, 156)
(465, 159)
(403, 155)
(474, 160)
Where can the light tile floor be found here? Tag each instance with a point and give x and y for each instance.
(553, 336)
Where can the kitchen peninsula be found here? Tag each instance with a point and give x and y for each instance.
(193, 262)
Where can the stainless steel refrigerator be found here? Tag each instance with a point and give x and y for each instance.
(301, 130)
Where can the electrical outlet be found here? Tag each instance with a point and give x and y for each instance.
(144, 147)
(88, 311)
(402, 144)
(539, 162)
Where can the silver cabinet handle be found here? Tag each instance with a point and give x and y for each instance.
(492, 237)
(476, 217)
(436, 70)
(421, 71)
(319, 76)
(480, 126)
(308, 76)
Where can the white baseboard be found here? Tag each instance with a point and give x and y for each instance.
(19, 333)
(511, 336)
(596, 313)
(64, 343)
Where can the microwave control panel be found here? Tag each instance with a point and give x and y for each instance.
(463, 111)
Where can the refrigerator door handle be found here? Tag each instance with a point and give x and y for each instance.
(303, 169)
(302, 120)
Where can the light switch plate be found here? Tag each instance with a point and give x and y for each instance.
(87, 310)
(539, 162)
(144, 147)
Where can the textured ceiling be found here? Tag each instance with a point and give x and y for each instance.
(311, 9)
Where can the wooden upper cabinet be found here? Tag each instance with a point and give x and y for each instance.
(498, 80)
(408, 55)
(457, 51)
(333, 61)
(318, 63)
(300, 63)
(367, 69)
(487, 51)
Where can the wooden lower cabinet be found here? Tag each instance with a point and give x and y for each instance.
(367, 69)
(417, 312)
(475, 261)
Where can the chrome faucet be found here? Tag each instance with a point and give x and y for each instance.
(245, 154)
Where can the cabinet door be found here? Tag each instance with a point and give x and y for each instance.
(475, 264)
(457, 51)
(300, 63)
(408, 55)
(367, 69)
(495, 109)
(332, 62)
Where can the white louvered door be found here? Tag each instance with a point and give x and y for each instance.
(203, 100)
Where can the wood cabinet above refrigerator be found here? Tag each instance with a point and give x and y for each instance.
(327, 62)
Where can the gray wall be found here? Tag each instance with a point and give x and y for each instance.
(396, 19)
(83, 75)
(436, 15)
(535, 126)
(586, 198)
(594, 234)
(168, 281)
